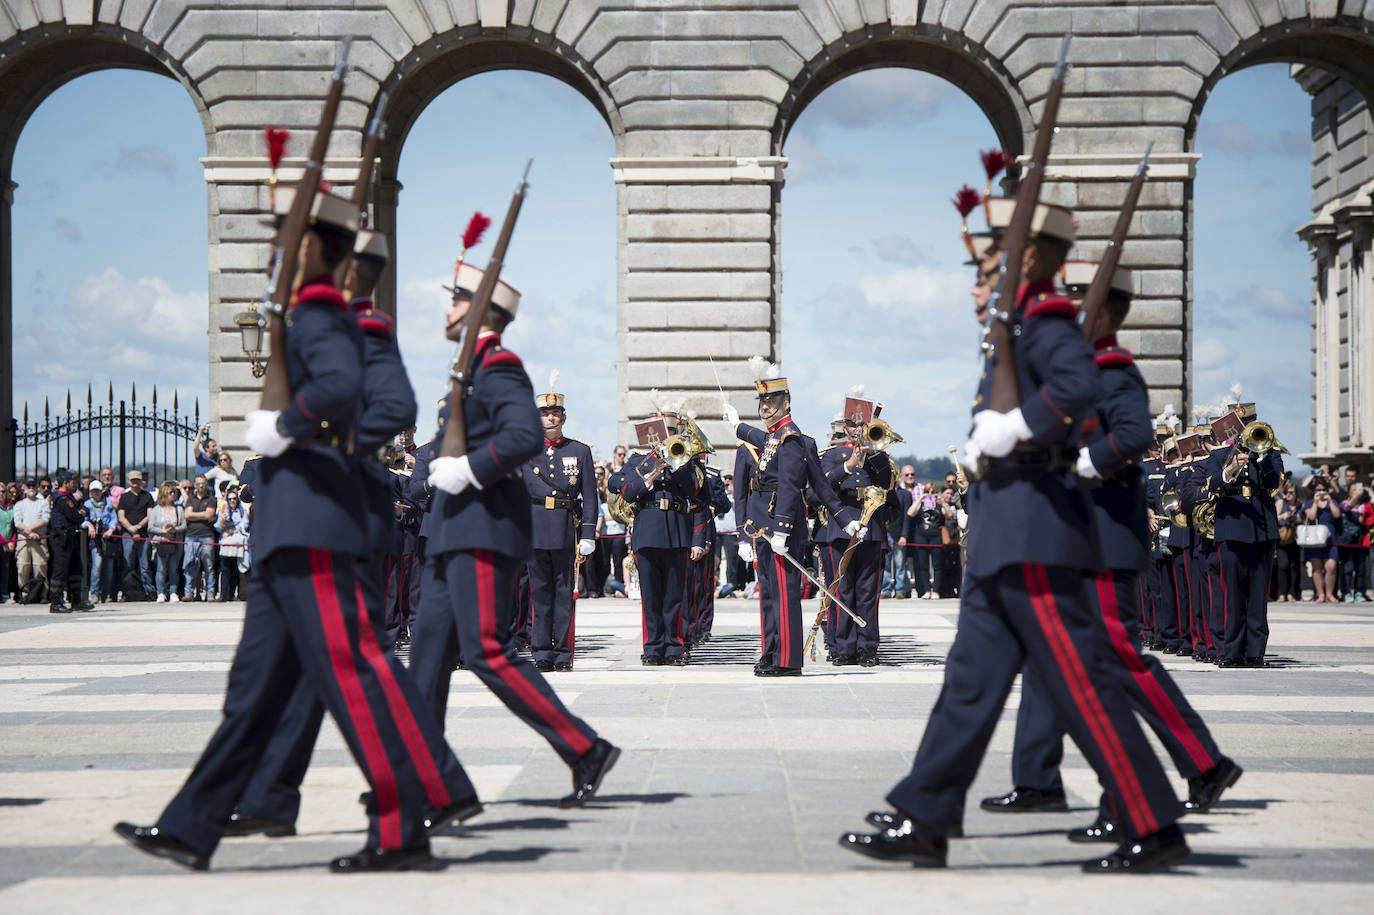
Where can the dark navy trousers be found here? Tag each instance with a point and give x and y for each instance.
(859, 588)
(467, 611)
(306, 617)
(662, 589)
(553, 602)
(1034, 616)
(1245, 586)
(780, 599)
(1153, 694)
(830, 555)
(1173, 626)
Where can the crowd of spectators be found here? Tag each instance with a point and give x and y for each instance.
(187, 540)
(1340, 568)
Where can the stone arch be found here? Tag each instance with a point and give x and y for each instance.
(930, 48)
(34, 64)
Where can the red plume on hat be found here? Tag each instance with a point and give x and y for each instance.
(995, 161)
(275, 138)
(965, 201)
(477, 226)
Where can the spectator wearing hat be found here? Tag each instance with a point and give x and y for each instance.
(102, 523)
(132, 508)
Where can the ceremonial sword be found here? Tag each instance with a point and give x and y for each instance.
(805, 574)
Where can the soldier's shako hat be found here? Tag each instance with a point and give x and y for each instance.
(372, 246)
(1079, 275)
(327, 210)
(550, 400)
(504, 296)
(978, 244)
(1049, 220)
(768, 378)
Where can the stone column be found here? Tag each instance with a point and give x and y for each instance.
(697, 282)
(1357, 218)
(239, 243)
(1159, 329)
(7, 421)
(1320, 235)
(386, 194)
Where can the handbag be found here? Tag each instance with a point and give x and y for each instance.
(1313, 535)
(165, 549)
(1288, 535)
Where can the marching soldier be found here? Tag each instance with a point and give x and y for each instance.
(479, 538)
(304, 617)
(1174, 632)
(774, 518)
(1022, 603)
(1247, 534)
(1116, 435)
(857, 472)
(664, 501)
(1201, 562)
(562, 486)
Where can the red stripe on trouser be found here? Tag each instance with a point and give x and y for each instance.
(1188, 580)
(763, 630)
(1225, 598)
(419, 751)
(355, 701)
(1085, 696)
(1178, 598)
(1144, 676)
(572, 612)
(1211, 607)
(688, 596)
(501, 666)
(784, 640)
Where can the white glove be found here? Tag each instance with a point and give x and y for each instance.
(855, 529)
(586, 547)
(746, 551)
(1084, 467)
(263, 436)
(452, 475)
(731, 415)
(971, 455)
(778, 542)
(995, 434)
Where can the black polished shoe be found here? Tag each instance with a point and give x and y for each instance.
(681, 660)
(372, 860)
(868, 659)
(907, 841)
(562, 666)
(885, 820)
(84, 606)
(1249, 662)
(241, 824)
(1205, 789)
(703, 637)
(1159, 849)
(1101, 829)
(543, 666)
(1027, 800)
(1157, 645)
(458, 811)
(59, 608)
(649, 660)
(588, 772)
(149, 839)
(1231, 662)
(771, 671)
(844, 660)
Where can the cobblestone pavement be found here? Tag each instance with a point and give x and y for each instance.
(730, 796)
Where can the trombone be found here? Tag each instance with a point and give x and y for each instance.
(1258, 438)
(687, 444)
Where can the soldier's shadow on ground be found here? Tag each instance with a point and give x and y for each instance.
(602, 801)
(506, 855)
(740, 648)
(592, 644)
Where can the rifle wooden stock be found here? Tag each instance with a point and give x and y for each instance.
(1102, 280)
(364, 182)
(1006, 390)
(455, 443)
(276, 384)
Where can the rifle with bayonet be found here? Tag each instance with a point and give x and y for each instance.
(371, 140)
(1102, 280)
(276, 383)
(455, 443)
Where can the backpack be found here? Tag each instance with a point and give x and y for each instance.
(929, 521)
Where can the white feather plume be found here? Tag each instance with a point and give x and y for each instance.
(1236, 390)
(758, 365)
(553, 381)
(692, 415)
(656, 399)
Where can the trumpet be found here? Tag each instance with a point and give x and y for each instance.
(879, 435)
(1258, 437)
(687, 444)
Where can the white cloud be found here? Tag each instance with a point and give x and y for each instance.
(881, 96)
(1210, 353)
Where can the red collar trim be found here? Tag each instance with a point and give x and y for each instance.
(484, 343)
(780, 423)
(554, 444)
(1113, 357)
(361, 305)
(320, 289)
(1029, 292)
(1106, 342)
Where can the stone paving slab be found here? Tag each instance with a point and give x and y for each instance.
(729, 797)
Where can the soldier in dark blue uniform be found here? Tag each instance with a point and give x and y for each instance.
(857, 472)
(1174, 635)
(477, 539)
(711, 502)
(1247, 534)
(1030, 539)
(1201, 560)
(1116, 435)
(746, 463)
(774, 517)
(563, 502)
(306, 614)
(664, 501)
(65, 566)
(1152, 595)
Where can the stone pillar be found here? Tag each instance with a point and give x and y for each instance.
(1159, 329)
(7, 420)
(240, 240)
(386, 194)
(697, 282)
(1357, 219)
(1320, 235)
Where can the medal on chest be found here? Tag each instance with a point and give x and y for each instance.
(570, 469)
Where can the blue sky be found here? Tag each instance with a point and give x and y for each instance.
(110, 259)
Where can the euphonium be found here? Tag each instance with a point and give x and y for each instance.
(1205, 519)
(687, 444)
(878, 435)
(1258, 437)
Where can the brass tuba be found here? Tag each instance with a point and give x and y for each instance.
(1258, 437)
(687, 444)
(879, 435)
